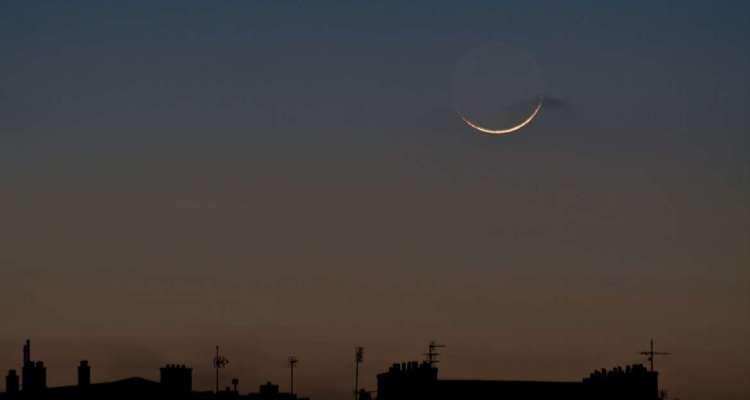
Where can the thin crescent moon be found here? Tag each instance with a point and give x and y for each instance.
(508, 130)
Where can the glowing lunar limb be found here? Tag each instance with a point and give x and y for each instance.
(507, 130)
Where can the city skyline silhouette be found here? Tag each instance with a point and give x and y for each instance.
(289, 180)
(402, 381)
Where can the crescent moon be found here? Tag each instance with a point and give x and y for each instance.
(507, 130)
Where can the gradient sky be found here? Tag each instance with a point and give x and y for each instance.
(286, 179)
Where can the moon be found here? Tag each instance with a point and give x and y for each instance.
(508, 130)
(498, 88)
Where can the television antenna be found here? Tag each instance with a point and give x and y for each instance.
(219, 363)
(651, 354)
(292, 360)
(432, 352)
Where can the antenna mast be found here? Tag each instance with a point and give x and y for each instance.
(219, 363)
(359, 356)
(432, 352)
(651, 353)
(292, 363)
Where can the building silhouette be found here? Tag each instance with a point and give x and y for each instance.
(177, 378)
(404, 381)
(269, 391)
(413, 380)
(175, 383)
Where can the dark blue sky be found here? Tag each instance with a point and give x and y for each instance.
(254, 169)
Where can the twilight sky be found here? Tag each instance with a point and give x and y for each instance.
(286, 179)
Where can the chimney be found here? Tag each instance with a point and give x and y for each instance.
(84, 373)
(11, 382)
(40, 377)
(27, 352)
(177, 378)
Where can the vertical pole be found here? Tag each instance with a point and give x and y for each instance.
(356, 379)
(216, 365)
(358, 358)
(652, 355)
(292, 362)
